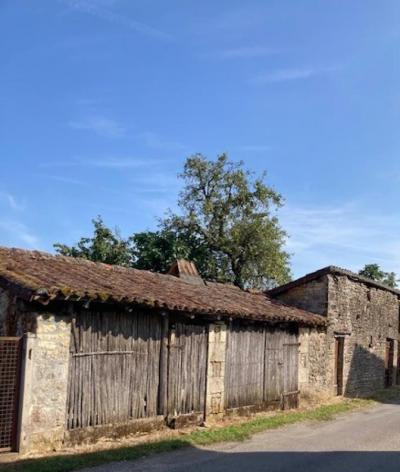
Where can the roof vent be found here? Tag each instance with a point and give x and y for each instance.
(187, 271)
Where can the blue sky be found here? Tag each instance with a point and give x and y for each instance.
(101, 101)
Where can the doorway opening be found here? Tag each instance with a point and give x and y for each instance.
(339, 361)
(389, 361)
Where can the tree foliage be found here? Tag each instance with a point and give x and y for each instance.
(230, 212)
(374, 272)
(105, 246)
(226, 225)
(158, 250)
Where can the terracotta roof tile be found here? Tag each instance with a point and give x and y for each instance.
(40, 276)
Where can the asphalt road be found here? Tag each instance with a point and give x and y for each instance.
(364, 441)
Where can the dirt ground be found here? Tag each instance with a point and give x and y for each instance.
(306, 403)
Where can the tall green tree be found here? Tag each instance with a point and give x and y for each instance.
(374, 272)
(106, 245)
(158, 250)
(230, 212)
(227, 225)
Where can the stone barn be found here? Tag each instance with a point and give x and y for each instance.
(358, 353)
(90, 350)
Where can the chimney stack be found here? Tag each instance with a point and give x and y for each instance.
(187, 271)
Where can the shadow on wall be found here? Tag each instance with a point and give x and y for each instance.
(367, 373)
(194, 459)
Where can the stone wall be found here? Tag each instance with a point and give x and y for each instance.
(312, 360)
(366, 317)
(216, 369)
(311, 296)
(45, 383)
(313, 364)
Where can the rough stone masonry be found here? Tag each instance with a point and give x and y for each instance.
(363, 313)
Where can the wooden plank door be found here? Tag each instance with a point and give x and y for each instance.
(187, 367)
(10, 369)
(290, 372)
(339, 362)
(273, 367)
(244, 369)
(389, 360)
(114, 370)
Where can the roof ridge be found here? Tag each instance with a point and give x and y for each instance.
(331, 269)
(41, 276)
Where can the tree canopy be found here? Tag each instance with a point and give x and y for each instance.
(226, 225)
(228, 210)
(106, 245)
(374, 272)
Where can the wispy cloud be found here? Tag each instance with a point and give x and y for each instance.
(246, 17)
(66, 180)
(121, 163)
(102, 162)
(346, 235)
(104, 11)
(254, 148)
(14, 232)
(156, 183)
(12, 201)
(246, 52)
(100, 125)
(154, 141)
(284, 75)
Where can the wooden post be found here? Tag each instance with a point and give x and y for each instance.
(163, 386)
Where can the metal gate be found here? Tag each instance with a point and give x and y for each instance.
(10, 369)
(187, 368)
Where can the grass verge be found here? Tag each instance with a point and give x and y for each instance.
(237, 432)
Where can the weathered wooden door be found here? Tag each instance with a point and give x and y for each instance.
(114, 368)
(290, 373)
(186, 370)
(339, 361)
(10, 368)
(273, 367)
(389, 360)
(261, 367)
(244, 370)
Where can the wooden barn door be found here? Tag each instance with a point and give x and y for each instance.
(10, 369)
(114, 368)
(244, 369)
(261, 367)
(281, 369)
(186, 370)
(274, 361)
(290, 372)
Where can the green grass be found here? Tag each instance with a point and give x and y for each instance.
(236, 432)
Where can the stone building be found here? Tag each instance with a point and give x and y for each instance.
(357, 354)
(90, 350)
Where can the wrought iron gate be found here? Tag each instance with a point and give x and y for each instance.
(10, 369)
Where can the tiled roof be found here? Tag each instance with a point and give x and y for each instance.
(334, 270)
(39, 276)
